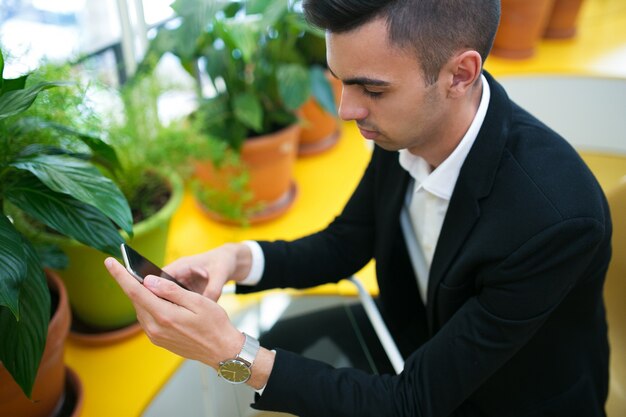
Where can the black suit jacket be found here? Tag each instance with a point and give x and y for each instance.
(515, 321)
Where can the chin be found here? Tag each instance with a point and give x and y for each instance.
(386, 145)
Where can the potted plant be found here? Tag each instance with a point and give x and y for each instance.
(153, 165)
(563, 19)
(522, 24)
(320, 125)
(257, 81)
(44, 176)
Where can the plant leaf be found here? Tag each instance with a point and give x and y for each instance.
(16, 101)
(12, 266)
(52, 256)
(23, 341)
(294, 86)
(271, 11)
(65, 214)
(257, 6)
(103, 153)
(14, 84)
(82, 181)
(244, 37)
(248, 110)
(322, 90)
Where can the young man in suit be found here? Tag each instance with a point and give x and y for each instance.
(491, 239)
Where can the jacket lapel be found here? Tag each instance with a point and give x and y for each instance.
(475, 180)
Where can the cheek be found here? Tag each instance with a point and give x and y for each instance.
(398, 118)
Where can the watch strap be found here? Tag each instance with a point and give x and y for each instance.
(249, 350)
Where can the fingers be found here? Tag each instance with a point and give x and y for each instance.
(131, 287)
(183, 268)
(167, 290)
(121, 275)
(213, 290)
(141, 299)
(189, 271)
(206, 273)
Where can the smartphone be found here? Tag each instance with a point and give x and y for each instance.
(140, 267)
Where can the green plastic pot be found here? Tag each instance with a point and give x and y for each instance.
(96, 299)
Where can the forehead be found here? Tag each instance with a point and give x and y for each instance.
(366, 51)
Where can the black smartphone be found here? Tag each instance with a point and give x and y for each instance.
(140, 267)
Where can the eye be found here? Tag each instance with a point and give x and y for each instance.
(372, 94)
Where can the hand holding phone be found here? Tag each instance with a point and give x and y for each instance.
(140, 267)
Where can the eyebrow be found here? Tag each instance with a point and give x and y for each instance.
(362, 81)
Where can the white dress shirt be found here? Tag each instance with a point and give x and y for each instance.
(432, 190)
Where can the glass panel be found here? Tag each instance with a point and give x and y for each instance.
(157, 11)
(58, 30)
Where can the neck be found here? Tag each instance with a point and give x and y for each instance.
(456, 125)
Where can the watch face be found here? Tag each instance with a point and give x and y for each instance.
(234, 371)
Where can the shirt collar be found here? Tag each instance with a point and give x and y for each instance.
(442, 180)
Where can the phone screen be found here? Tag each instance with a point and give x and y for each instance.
(140, 267)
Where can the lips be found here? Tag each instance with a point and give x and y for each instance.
(368, 134)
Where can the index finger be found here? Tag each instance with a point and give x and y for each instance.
(137, 293)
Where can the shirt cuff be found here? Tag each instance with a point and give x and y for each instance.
(258, 264)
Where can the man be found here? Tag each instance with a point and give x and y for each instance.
(491, 239)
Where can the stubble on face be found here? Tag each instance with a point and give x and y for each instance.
(406, 114)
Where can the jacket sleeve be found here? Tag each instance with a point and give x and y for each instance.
(516, 297)
(336, 252)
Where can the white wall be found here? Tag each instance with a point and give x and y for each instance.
(590, 112)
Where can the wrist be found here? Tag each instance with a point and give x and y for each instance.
(257, 263)
(262, 369)
(242, 256)
(237, 369)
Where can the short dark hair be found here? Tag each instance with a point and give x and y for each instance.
(435, 29)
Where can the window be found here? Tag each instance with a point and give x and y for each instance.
(62, 30)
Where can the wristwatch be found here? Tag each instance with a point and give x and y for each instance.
(237, 370)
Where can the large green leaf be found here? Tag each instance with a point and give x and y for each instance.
(14, 84)
(243, 36)
(249, 111)
(82, 181)
(23, 341)
(270, 10)
(65, 214)
(220, 65)
(322, 90)
(294, 86)
(16, 101)
(52, 256)
(12, 266)
(103, 153)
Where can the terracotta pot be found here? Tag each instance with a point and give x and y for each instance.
(521, 27)
(562, 21)
(269, 160)
(47, 396)
(320, 129)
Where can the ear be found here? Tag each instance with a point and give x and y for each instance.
(465, 68)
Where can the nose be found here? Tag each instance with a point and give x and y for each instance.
(351, 107)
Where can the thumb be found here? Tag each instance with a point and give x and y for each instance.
(217, 276)
(213, 289)
(167, 290)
